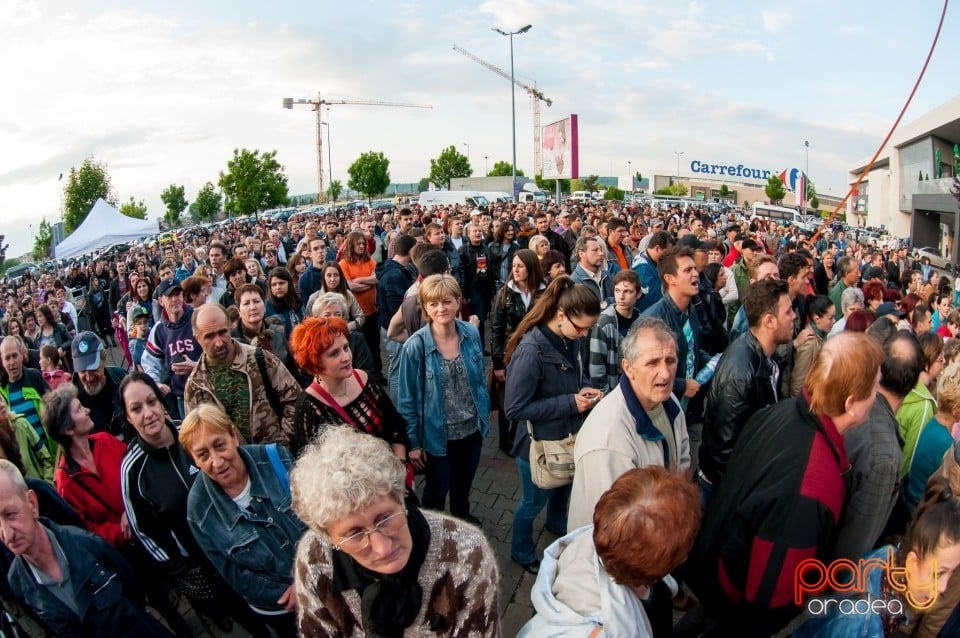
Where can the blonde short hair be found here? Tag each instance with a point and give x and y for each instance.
(536, 240)
(438, 288)
(342, 472)
(948, 388)
(206, 416)
(327, 299)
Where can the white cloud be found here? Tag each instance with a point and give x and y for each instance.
(775, 21)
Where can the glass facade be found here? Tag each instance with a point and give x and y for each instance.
(916, 159)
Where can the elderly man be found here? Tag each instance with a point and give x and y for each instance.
(639, 423)
(97, 383)
(22, 387)
(851, 300)
(73, 580)
(252, 386)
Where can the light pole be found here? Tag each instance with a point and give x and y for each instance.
(630, 173)
(678, 154)
(486, 164)
(468, 150)
(513, 101)
(329, 161)
(806, 144)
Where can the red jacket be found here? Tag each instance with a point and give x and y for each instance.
(97, 498)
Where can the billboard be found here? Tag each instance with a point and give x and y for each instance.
(561, 149)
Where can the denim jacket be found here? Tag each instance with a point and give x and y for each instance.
(253, 552)
(108, 593)
(421, 387)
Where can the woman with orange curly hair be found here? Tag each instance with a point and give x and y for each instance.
(339, 393)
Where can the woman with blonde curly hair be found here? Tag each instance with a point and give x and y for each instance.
(370, 566)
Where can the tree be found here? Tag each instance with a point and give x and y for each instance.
(550, 185)
(815, 203)
(137, 210)
(85, 185)
(7, 264)
(207, 205)
(176, 201)
(613, 194)
(451, 163)
(42, 240)
(775, 190)
(369, 174)
(676, 189)
(591, 183)
(424, 184)
(253, 182)
(336, 187)
(3, 249)
(503, 169)
(724, 191)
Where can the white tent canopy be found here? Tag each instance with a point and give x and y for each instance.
(104, 226)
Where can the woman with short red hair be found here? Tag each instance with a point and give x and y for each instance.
(340, 394)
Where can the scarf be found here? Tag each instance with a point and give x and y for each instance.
(389, 603)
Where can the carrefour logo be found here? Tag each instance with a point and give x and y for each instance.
(730, 170)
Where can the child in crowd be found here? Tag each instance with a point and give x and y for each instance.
(138, 335)
(50, 366)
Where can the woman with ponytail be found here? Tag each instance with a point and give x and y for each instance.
(925, 561)
(546, 385)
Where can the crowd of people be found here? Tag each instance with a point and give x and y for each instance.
(706, 404)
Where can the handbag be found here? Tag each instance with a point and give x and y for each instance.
(551, 462)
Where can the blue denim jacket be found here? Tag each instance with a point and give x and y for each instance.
(254, 552)
(420, 393)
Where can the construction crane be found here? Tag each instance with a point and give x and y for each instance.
(288, 103)
(535, 97)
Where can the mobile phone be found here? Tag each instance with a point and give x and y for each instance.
(179, 357)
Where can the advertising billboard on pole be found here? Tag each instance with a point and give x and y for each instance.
(561, 150)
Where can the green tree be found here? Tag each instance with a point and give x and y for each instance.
(334, 190)
(137, 210)
(451, 163)
(176, 201)
(424, 184)
(676, 189)
(370, 174)
(7, 264)
(775, 190)
(591, 183)
(207, 205)
(253, 182)
(42, 240)
(815, 203)
(613, 193)
(503, 169)
(550, 185)
(85, 185)
(724, 191)
(3, 250)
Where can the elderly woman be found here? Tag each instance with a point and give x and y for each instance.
(340, 393)
(442, 395)
(370, 566)
(156, 476)
(333, 304)
(596, 577)
(240, 514)
(539, 245)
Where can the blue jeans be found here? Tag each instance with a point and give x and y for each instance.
(523, 549)
(393, 366)
(453, 474)
(706, 491)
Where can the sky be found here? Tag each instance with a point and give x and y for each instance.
(163, 92)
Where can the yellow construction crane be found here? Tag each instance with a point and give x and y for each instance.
(288, 103)
(535, 97)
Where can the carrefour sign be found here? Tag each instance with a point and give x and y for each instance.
(730, 170)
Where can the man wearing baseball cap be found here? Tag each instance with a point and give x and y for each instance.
(171, 352)
(97, 383)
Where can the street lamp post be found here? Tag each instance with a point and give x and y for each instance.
(513, 101)
(486, 164)
(806, 144)
(630, 173)
(468, 150)
(678, 154)
(329, 161)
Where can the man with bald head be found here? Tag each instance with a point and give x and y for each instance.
(74, 581)
(250, 384)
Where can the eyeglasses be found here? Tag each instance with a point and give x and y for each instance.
(578, 328)
(389, 526)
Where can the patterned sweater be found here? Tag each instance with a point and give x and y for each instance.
(459, 578)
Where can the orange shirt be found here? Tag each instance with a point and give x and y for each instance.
(353, 270)
(618, 252)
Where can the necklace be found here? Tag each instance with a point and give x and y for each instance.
(345, 387)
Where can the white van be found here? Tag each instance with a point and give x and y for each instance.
(780, 214)
(472, 199)
(582, 196)
(497, 197)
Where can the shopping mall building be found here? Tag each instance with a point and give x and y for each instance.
(908, 189)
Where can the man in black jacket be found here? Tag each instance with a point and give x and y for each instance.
(97, 383)
(746, 378)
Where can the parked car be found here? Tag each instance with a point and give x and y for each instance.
(937, 260)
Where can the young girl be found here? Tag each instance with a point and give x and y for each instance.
(50, 366)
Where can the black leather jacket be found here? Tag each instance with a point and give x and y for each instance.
(740, 386)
